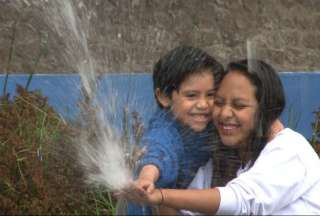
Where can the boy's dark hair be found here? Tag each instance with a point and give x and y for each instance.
(178, 64)
(269, 94)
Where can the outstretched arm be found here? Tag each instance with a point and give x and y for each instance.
(205, 201)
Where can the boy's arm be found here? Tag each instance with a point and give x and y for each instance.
(162, 155)
(148, 175)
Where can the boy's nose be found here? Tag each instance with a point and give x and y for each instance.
(204, 103)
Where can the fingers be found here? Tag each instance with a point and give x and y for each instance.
(133, 193)
(150, 189)
(142, 195)
(137, 197)
(147, 186)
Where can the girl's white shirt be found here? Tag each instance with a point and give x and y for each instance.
(285, 179)
(202, 180)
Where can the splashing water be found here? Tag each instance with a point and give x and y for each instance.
(71, 28)
(105, 163)
(252, 52)
(101, 152)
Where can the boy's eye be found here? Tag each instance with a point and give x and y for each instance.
(210, 94)
(190, 95)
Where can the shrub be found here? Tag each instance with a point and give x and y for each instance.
(315, 140)
(37, 169)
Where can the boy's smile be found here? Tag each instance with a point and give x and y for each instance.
(192, 102)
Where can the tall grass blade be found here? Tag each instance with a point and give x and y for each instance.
(11, 56)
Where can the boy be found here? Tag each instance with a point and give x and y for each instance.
(177, 140)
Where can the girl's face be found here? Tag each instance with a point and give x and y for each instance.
(235, 108)
(192, 103)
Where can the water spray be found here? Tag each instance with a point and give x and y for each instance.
(101, 152)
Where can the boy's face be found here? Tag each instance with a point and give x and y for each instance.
(192, 103)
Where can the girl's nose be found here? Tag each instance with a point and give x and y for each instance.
(226, 111)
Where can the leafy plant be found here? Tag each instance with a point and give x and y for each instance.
(37, 168)
(131, 137)
(315, 140)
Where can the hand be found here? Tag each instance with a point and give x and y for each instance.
(135, 194)
(153, 198)
(148, 175)
(145, 184)
(275, 128)
(137, 190)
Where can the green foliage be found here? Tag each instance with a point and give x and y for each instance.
(131, 137)
(37, 168)
(315, 140)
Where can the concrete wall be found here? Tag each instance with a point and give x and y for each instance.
(130, 35)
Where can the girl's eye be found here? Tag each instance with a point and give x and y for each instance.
(239, 106)
(218, 103)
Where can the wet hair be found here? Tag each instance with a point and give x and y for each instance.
(178, 64)
(269, 95)
(271, 102)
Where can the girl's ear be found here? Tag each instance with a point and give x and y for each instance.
(163, 99)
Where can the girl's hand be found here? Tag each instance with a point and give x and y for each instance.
(142, 197)
(136, 189)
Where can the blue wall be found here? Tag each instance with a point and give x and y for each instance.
(116, 90)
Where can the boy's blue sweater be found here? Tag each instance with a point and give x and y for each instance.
(176, 150)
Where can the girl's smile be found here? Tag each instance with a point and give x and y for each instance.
(235, 109)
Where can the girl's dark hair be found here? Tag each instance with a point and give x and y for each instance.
(269, 94)
(271, 102)
(178, 64)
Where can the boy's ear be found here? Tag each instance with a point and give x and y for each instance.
(163, 99)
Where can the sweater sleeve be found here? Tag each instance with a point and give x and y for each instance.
(162, 150)
(275, 180)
